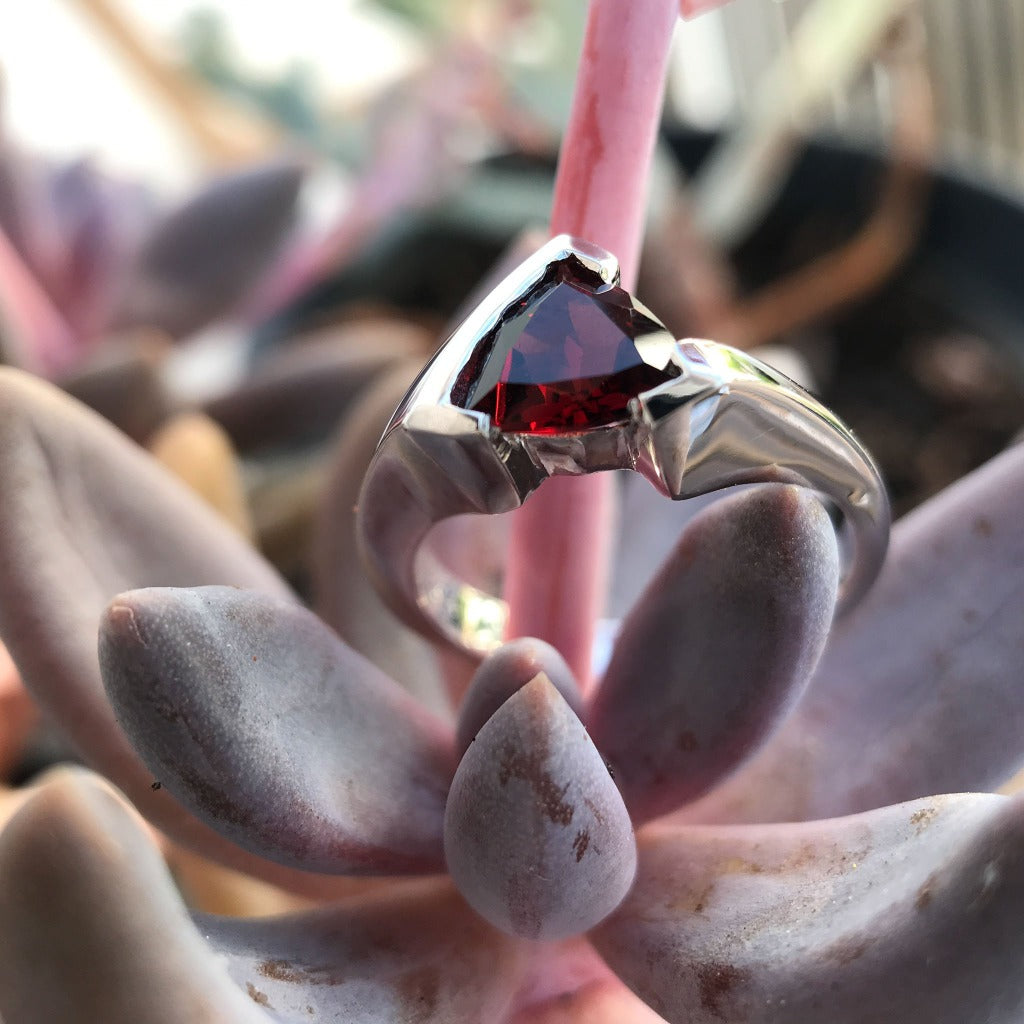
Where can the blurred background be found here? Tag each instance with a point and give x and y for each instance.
(73, 90)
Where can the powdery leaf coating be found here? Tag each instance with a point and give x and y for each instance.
(266, 726)
(718, 647)
(91, 924)
(84, 515)
(909, 913)
(204, 256)
(919, 689)
(502, 673)
(536, 835)
(415, 954)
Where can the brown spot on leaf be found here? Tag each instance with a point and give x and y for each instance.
(521, 900)
(716, 981)
(845, 951)
(256, 995)
(690, 900)
(420, 991)
(299, 974)
(594, 810)
(702, 899)
(529, 768)
(924, 894)
(923, 818)
(281, 970)
(580, 844)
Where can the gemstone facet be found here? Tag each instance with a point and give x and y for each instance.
(567, 357)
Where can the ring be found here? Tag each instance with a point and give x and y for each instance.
(560, 371)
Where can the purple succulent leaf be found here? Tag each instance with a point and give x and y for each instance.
(415, 953)
(536, 835)
(84, 515)
(344, 596)
(718, 647)
(123, 380)
(91, 924)
(266, 726)
(919, 688)
(505, 671)
(301, 392)
(206, 255)
(98, 224)
(911, 912)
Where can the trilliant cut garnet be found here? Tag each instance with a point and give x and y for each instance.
(567, 357)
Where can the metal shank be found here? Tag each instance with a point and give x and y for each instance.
(727, 419)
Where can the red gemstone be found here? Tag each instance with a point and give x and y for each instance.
(563, 359)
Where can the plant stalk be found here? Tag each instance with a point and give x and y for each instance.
(560, 544)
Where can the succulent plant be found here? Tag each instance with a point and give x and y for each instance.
(86, 255)
(737, 823)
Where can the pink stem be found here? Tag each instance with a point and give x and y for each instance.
(560, 544)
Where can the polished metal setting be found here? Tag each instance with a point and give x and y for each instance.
(727, 419)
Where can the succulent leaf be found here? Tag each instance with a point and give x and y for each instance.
(84, 515)
(266, 726)
(536, 835)
(718, 647)
(97, 223)
(203, 257)
(919, 689)
(124, 381)
(91, 924)
(912, 912)
(416, 954)
(504, 672)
